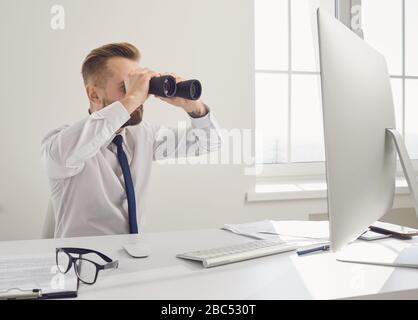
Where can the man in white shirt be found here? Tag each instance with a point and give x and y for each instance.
(99, 167)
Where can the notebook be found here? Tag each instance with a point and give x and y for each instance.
(25, 273)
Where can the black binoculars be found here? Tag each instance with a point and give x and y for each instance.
(166, 86)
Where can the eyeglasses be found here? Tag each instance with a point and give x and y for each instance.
(85, 269)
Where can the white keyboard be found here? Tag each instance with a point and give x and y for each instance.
(249, 250)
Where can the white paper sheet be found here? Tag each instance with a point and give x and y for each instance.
(303, 229)
(303, 232)
(34, 272)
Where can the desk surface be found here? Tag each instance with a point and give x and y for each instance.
(281, 276)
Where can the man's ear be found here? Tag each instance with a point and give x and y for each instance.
(93, 96)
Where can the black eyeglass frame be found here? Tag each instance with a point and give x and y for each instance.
(111, 264)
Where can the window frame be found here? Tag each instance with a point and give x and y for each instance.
(292, 169)
(277, 172)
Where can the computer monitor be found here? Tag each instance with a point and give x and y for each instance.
(358, 114)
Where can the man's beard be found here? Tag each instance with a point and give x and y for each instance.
(136, 116)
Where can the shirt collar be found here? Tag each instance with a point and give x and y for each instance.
(111, 146)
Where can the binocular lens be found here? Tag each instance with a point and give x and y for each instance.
(169, 87)
(191, 89)
(166, 86)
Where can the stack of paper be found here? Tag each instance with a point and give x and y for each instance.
(303, 232)
(28, 272)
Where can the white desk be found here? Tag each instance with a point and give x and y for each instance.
(282, 276)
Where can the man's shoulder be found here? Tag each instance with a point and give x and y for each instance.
(53, 132)
(143, 128)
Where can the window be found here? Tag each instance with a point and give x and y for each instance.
(288, 106)
(287, 83)
(390, 26)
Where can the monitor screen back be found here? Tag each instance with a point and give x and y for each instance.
(357, 108)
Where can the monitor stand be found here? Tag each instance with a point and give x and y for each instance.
(406, 163)
(404, 254)
(409, 174)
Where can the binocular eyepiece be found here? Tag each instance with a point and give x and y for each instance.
(166, 86)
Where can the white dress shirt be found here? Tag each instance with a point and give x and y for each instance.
(87, 186)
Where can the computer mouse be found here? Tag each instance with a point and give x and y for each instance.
(137, 250)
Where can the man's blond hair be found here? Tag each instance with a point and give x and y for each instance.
(94, 65)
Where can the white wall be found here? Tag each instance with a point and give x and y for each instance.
(41, 88)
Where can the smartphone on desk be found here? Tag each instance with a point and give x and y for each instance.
(394, 229)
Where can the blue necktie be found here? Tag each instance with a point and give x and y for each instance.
(129, 186)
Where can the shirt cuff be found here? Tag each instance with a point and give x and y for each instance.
(202, 122)
(115, 114)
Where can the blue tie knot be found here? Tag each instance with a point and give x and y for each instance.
(118, 140)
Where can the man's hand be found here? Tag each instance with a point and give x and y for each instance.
(195, 108)
(137, 87)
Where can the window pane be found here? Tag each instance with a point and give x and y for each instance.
(382, 26)
(304, 33)
(271, 34)
(411, 26)
(397, 100)
(307, 130)
(411, 117)
(271, 117)
(304, 57)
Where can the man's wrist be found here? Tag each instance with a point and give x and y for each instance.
(129, 103)
(198, 110)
